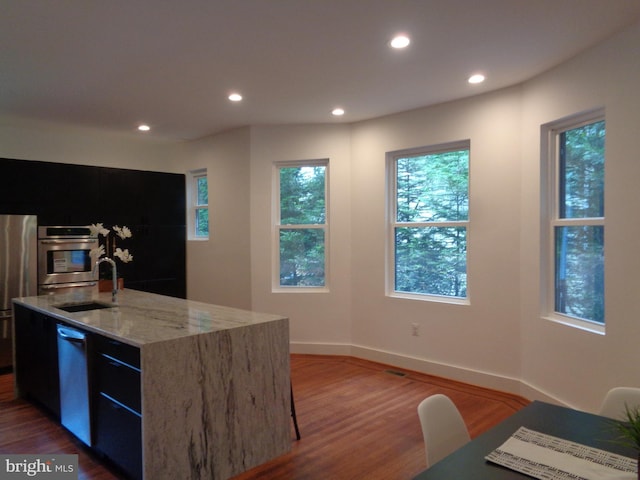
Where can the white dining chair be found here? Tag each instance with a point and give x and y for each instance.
(442, 425)
(616, 399)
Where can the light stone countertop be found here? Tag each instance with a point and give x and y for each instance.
(140, 318)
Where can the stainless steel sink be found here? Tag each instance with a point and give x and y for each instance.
(82, 307)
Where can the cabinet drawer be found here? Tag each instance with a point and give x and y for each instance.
(119, 381)
(121, 351)
(118, 435)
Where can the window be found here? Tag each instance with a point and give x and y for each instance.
(576, 226)
(301, 230)
(429, 221)
(198, 218)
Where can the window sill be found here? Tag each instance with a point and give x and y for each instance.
(585, 325)
(298, 290)
(430, 298)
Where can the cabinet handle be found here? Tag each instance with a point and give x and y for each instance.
(62, 242)
(117, 362)
(115, 404)
(67, 285)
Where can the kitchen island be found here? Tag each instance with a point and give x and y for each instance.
(214, 381)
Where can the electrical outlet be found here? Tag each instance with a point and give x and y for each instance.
(415, 329)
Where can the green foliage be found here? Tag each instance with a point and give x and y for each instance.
(629, 428)
(202, 214)
(580, 272)
(579, 262)
(430, 189)
(202, 222)
(302, 204)
(431, 261)
(302, 257)
(203, 191)
(582, 171)
(302, 192)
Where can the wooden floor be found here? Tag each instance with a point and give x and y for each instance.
(24, 429)
(357, 418)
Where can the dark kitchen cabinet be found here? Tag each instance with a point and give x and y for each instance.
(125, 197)
(117, 415)
(119, 436)
(114, 384)
(142, 198)
(37, 358)
(151, 204)
(60, 194)
(72, 193)
(24, 189)
(159, 259)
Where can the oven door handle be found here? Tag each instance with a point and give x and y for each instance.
(76, 240)
(67, 285)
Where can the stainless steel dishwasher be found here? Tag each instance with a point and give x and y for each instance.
(74, 382)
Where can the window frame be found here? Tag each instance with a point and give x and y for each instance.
(551, 219)
(194, 206)
(278, 226)
(392, 223)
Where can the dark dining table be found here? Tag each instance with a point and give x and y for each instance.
(469, 462)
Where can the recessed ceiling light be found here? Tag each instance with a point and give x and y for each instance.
(235, 97)
(337, 112)
(400, 41)
(476, 78)
(144, 128)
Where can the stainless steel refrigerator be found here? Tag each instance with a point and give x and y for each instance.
(18, 273)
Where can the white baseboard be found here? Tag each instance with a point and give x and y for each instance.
(320, 348)
(453, 372)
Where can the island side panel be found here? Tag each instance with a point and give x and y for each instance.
(217, 404)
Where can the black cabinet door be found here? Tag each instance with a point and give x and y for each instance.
(23, 185)
(124, 198)
(60, 194)
(36, 367)
(167, 193)
(117, 414)
(133, 197)
(118, 436)
(66, 194)
(73, 193)
(159, 257)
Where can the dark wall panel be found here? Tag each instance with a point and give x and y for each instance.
(151, 204)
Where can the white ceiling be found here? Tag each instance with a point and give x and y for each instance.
(171, 63)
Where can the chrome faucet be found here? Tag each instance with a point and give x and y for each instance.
(114, 275)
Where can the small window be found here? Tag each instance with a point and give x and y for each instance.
(576, 220)
(198, 218)
(301, 225)
(429, 221)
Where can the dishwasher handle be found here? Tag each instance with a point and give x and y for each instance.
(71, 335)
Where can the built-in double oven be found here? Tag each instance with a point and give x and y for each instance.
(64, 259)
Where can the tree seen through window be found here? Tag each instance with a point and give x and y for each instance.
(430, 228)
(302, 226)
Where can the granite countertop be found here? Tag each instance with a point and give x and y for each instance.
(140, 318)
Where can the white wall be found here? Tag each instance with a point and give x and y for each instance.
(500, 339)
(316, 319)
(50, 142)
(219, 269)
(575, 366)
(482, 336)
